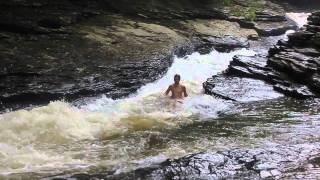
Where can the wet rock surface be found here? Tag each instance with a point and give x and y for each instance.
(307, 170)
(291, 67)
(74, 49)
(239, 89)
(242, 75)
(110, 54)
(276, 162)
(68, 50)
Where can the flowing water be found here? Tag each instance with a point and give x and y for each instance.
(147, 127)
(299, 18)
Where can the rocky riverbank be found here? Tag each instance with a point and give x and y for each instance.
(69, 50)
(276, 162)
(76, 49)
(291, 67)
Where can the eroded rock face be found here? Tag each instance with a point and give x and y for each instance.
(115, 58)
(292, 66)
(221, 34)
(268, 17)
(302, 5)
(297, 59)
(245, 75)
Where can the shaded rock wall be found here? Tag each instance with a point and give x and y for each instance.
(306, 4)
(299, 6)
(166, 9)
(298, 59)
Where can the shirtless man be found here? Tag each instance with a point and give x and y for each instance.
(177, 90)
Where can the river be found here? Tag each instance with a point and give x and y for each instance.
(146, 128)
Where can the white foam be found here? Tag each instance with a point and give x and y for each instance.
(194, 70)
(28, 138)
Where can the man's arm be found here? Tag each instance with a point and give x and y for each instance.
(185, 91)
(168, 90)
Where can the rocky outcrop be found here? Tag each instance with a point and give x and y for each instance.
(292, 66)
(169, 10)
(72, 49)
(221, 34)
(241, 76)
(302, 5)
(297, 60)
(240, 89)
(114, 57)
(256, 163)
(265, 17)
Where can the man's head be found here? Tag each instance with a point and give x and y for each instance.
(177, 78)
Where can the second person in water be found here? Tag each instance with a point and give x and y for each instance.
(178, 91)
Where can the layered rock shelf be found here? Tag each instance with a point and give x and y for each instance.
(291, 67)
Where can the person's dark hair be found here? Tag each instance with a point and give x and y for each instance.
(177, 76)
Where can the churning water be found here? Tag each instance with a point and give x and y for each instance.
(148, 127)
(61, 136)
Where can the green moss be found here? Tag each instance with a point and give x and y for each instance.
(248, 12)
(237, 12)
(251, 13)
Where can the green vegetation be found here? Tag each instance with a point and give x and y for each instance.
(248, 12)
(226, 2)
(237, 12)
(251, 13)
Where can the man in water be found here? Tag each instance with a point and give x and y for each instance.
(177, 90)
